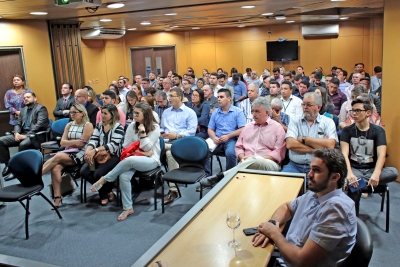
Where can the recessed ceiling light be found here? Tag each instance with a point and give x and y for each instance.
(115, 5)
(145, 23)
(1, 17)
(248, 6)
(168, 30)
(171, 14)
(196, 28)
(38, 13)
(241, 26)
(290, 21)
(98, 28)
(343, 18)
(280, 17)
(267, 14)
(338, 0)
(174, 27)
(132, 29)
(106, 20)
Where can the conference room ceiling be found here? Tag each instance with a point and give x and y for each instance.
(202, 14)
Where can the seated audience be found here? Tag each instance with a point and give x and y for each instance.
(118, 103)
(364, 147)
(376, 99)
(122, 90)
(274, 91)
(200, 83)
(131, 99)
(103, 150)
(187, 92)
(317, 81)
(32, 118)
(376, 80)
(210, 98)
(202, 110)
(278, 115)
(324, 227)
(138, 92)
(327, 106)
(239, 88)
(264, 90)
(304, 87)
(76, 135)
(177, 121)
(245, 105)
(81, 97)
(167, 84)
(261, 143)
(65, 102)
(146, 132)
(222, 83)
(291, 104)
(336, 96)
(109, 97)
(162, 103)
(277, 75)
(308, 132)
(226, 124)
(92, 98)
(150, 100)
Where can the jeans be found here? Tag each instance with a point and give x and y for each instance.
(230, 155)
(125, 170)
(294, 167)
(388, 174)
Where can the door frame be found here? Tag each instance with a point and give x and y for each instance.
(20, 49)
(153, 46)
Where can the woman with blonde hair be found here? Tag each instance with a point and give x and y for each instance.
(76, 134)
(103, 150)
(144, 133)
(92, 98)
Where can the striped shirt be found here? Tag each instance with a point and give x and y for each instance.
(111, 140)
(245, 106)
(321, 128)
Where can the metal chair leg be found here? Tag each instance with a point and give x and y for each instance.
(162, 195)
(383, 200)
(220, 164)
(179, 191)
(387, 209)
(48, 200)
(26, 218)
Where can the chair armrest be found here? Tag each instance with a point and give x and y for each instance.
(10, 133)
(38, 133)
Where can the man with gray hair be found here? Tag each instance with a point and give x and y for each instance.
(278, 115)
(162, 103)
(245, 105)
(261, 144)
(308, 132)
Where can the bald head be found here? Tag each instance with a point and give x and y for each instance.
(81, 96)
(207, 91)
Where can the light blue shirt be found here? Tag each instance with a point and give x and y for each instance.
(321, 128)
(375, 84)
(182, 121)
(330, 221)
(124, 92)
(239, 89)
(226, 123)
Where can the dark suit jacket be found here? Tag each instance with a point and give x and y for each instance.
(39, 122)
(92, 113)
(377, 102)
(58, 110)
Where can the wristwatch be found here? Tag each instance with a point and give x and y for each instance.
(303, 139)
(272, 221)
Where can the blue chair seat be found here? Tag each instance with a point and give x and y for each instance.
(17, 192)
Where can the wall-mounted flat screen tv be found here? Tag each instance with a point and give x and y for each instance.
(282, 51)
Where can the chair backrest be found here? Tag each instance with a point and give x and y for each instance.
(190, 151)
(59, 125)
(27, 167)
(362, 252)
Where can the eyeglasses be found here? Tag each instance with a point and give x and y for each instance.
(172, 96)
(309, 105)
(74, 112)
(357, 111)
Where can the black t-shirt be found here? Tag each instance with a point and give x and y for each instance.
(363, 152)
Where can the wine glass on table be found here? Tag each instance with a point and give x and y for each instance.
(233, 222)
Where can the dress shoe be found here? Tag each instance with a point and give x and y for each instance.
(6, 171)
(172, 195)
(9, 177)
(211, 180)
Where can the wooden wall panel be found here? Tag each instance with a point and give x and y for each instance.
(202, 55)
(96, 77)
(316, 53)
(200, 37)
(229, 55)
(254, 55)
(346, 51)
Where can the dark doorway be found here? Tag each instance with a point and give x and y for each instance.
(159, 59)
(11, 63)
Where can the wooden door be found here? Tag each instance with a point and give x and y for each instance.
(158, 59)
(10, 64)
